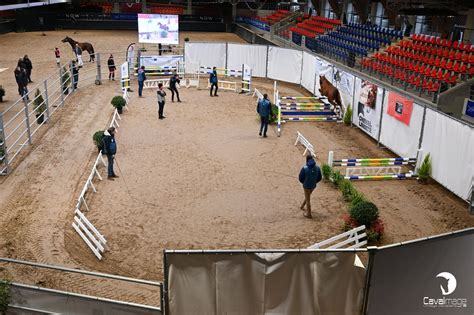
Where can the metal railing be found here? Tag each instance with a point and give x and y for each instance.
(21, 121)
(121, 279)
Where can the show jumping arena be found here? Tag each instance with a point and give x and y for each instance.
(200, 179)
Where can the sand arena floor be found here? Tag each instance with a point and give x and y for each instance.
(200, 179)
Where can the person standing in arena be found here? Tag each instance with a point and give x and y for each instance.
(173, 81)
(110, 149)
(264, 109)
(112, 68)
(78, 52)
(58, 56)
(213, 80)
(161, 100)
(141, 80)
(28, 67)
(75, 74)
(309, 176)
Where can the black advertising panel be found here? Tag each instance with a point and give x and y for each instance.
(432, 277)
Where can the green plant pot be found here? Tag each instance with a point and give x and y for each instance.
(39, 119)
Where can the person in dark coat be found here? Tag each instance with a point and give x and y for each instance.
(309, 176)
(23, 83)
(264, 109)
(21, 63)
(17, 79)
(75, 74)
(141, 80)
(173, 81)
(112, 68)
(161, 100)
(213, 80)
(110, 149)
(28, 67)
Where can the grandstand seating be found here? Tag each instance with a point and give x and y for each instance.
(353, 40)
(276, 16)
(312, 27)
(424, 63)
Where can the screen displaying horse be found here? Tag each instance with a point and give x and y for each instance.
(158, 29)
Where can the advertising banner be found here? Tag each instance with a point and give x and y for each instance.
(369, 104)
(432, 276)
(400, 107)
(323, 69)
(344, 82)
(124, 75)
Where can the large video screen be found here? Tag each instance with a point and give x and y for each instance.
(158, 29)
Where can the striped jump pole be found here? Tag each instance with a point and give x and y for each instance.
(299, 98)
(279, 111)
(305, 108)
(371, 163)
(311, 119)
(303, 104)
(382, 177)
(376, 160)
(306, 113)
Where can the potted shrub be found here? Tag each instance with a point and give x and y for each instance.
(348, 116)
(424, 172)
(5, 296)
(118, 102)
(40, 106)
(326, 171)
(186, 39)
(66, 81)
(2, 93)
(97, 138)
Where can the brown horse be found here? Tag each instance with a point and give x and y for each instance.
(84, 46)
(331, 92)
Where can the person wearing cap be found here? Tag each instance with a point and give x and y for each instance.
(264, 109)
(110, 149)
(173, 88)
(310, 175)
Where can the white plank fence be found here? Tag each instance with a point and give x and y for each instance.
(354, 238)
(308, 146)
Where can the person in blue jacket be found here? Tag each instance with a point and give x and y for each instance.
(110, 148)
(141, 80)
(213, 80)
(264, 109)
(310, 175)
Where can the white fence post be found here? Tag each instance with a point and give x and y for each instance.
(46, 99)
(3, 146)
(99, 74)
(27, 118)
(331, 158)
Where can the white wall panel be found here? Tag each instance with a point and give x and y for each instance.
(284, 64)
(309, 72)
(253, 55)
(451, 145)
(400, 138)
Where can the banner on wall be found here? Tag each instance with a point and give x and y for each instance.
(344, 82)
(369, 103)
(323, 69)
(400, 107)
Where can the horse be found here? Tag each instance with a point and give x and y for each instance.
(84, 46)
(331, 92)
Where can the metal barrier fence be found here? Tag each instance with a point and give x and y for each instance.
(56, 301)
(21, 121)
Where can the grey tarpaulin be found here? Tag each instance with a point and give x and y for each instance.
(326, 283)
(431, 276)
